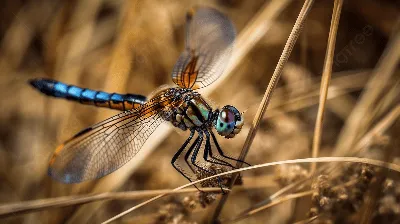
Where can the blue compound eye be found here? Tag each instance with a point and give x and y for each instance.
(225, 122)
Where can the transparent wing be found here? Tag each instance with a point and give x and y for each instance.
(209, 40)
(108, 145)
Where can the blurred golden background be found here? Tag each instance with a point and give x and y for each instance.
(131, 47)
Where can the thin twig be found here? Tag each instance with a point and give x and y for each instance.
(326, 77)
(267, 96)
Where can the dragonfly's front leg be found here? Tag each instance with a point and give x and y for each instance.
(221, 153)
(208, 151)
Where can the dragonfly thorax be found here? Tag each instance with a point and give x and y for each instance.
(191, 111)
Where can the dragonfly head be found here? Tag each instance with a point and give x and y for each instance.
(229, 121)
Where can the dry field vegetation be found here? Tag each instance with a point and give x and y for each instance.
(336, 107)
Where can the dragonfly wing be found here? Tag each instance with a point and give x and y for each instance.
(108, 145)
(209, 39)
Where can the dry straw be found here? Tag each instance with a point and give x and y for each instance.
(326, 77)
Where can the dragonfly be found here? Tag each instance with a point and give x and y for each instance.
(105, 147)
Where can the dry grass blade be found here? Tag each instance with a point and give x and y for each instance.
(357, 123)
(390, 166)
(326, 77)
(268, 94)
(49, 203)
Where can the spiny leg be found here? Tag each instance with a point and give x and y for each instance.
(208, 151)
(194, 158)
(179, 152)
(221, 153)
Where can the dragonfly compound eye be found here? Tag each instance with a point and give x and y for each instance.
(229, 122)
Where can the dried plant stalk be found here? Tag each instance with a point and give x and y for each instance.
(326, 77)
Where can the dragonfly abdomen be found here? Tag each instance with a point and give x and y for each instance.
(88, 96)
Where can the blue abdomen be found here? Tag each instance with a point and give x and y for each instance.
(87, 96)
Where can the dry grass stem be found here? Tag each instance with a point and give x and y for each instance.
(326, 77)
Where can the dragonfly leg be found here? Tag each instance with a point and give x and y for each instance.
(221, 153)
(208, 151)
(190, 151)
(194, 159)
(179, 152)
